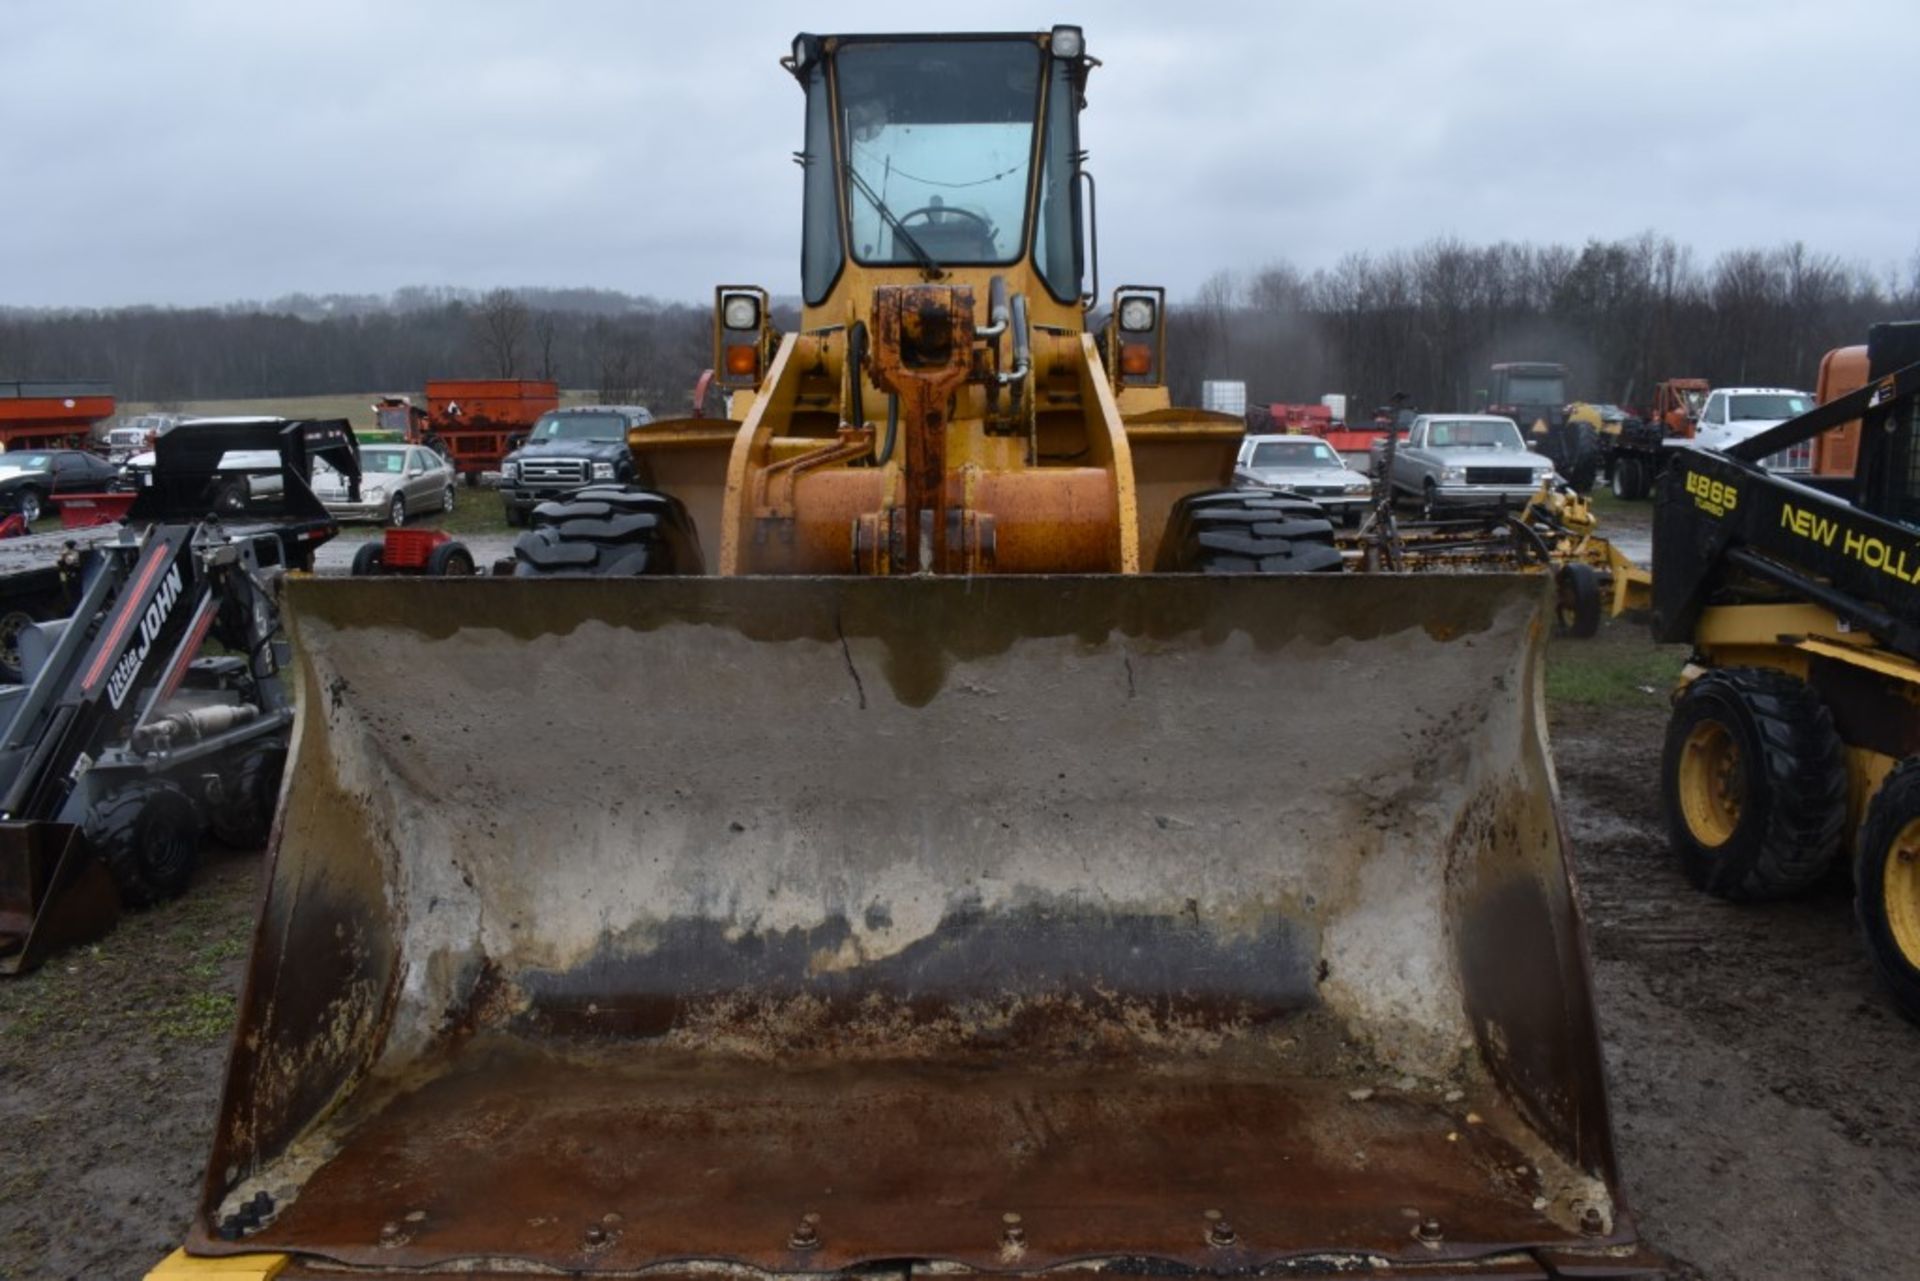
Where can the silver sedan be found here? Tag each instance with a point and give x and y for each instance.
(397, 482)
(1307, 466)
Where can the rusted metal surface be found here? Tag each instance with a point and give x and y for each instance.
(923, 353)
(54, 893)
(1057, 907)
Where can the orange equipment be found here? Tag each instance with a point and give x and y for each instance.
(475, 422)
(46, 415)
(1842, 370)
(1676, 405)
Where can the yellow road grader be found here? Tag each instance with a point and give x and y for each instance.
(890, 872)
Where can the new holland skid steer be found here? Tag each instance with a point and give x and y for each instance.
(1795, 738)
(844, 856)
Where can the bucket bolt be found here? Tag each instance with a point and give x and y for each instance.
(1220, 1233)
(1592, 1222)
(1430, 1232)
(1012, 1235)
(806, 1236)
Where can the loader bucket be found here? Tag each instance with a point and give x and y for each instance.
(54, 893)
(803, 925)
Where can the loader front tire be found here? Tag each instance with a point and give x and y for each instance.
(1248, 531)
(612, 531)
(244, 817)
(1754, 782)
(148, 835)
(1886, 881)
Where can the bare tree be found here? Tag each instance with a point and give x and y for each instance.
(546, 332)
(500, 332)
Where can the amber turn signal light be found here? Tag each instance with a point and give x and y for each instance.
(1136, 359)
(742, 359)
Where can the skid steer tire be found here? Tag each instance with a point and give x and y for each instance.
(1886, 880)
(611, 531)
(148, 835)
(1754, 782)
(244, 818)
(1248, 531)
(368, 559)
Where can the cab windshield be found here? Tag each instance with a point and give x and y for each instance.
(1770, 407)
(1474, 434)
(579, 427)
(938, 140)
(1536, 389)
(1294, 453)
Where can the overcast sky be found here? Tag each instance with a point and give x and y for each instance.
(198, 151)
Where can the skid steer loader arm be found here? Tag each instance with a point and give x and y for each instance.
(1204, 923)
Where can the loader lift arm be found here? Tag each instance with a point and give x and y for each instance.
(1723, 523)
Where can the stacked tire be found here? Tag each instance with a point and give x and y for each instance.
(1248, 531)
(613, 531)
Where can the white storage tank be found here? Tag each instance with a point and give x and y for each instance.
(1224, 397)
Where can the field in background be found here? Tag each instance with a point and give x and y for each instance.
(355, 407)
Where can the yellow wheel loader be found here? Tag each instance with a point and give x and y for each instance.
(840, 854)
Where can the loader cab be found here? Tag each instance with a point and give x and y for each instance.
(950, 158)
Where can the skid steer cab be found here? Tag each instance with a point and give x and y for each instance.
(123, 742)
(942, 913)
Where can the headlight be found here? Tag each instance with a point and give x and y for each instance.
(372, 493)
(1359, 485)
(603, 471)
(510, 471)
(742, 311)
(1453, 475)
(1136, 315)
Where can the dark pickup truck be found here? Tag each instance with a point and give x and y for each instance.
(567, 450)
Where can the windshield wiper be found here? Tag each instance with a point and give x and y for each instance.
(880, 206)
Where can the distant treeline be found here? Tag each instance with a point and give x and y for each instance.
(627, 349)
(1621, 315)
(1428, 321)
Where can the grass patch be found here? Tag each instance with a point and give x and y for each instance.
(475, 511)
(1619, 668)
(196, 1016)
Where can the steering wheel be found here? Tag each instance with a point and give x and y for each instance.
(928, 211)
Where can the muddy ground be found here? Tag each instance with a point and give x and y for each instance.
(1763, 1088)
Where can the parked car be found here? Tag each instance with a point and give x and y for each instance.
(396, 482)
(1734, 414)
(31, 481)
(1307, 466)
(1465, 460)
(567, 450)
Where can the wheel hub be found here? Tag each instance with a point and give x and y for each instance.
(1712, 784)
(1900, 885)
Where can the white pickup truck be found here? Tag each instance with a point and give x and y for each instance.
(1463, 461)
(1734, 414)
